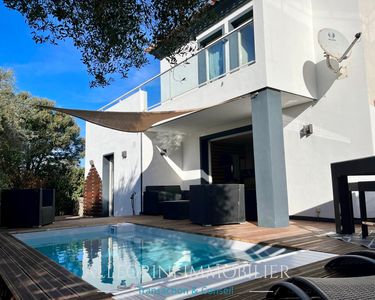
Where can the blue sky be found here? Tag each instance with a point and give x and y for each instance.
(56, 72)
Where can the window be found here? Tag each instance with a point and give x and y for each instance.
(241, 42)
(229, 53)
(211, 38)
(246, 44)
(212, 61)
(216, 60)
(242, 19)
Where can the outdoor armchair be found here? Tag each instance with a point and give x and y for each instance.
(214, 204)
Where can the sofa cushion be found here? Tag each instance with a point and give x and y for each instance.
(168, 196)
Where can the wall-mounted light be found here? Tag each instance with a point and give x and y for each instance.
(91, 163)
(163, 152)
(124, 154)
(306, 131)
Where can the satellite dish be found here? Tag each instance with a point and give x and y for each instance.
(333, 43)
(336, 48)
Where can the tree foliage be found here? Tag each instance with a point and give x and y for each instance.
(38, 148)
(112, 35)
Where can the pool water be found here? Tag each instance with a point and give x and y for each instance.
(128, 255)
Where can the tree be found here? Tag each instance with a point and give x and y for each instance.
(113, 35)
(38, 148)
(11, 133)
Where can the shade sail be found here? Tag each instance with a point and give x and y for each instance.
(122, 121)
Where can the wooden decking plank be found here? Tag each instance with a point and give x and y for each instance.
(34, 268)
(80, 287)
(51, 278)
(54, 269)
(306, 244)
(298, 238)
(50, 284)
(15, 278)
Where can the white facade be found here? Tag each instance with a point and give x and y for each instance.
(288, 59)
(101, 141)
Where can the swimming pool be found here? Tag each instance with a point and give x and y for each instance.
(122, 256)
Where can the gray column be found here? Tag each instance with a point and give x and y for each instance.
(269, 158)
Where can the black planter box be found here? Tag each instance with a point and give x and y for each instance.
(27, 207)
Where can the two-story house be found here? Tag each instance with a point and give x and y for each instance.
(270, 113)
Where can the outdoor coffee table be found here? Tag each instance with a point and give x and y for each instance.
(176, 210)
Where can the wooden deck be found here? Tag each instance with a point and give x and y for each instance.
(29, 275)
(305, 235)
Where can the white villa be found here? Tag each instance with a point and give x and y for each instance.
(271, 114)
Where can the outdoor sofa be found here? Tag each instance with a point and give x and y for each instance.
(155, 196)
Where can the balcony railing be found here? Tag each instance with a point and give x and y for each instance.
(219, 58)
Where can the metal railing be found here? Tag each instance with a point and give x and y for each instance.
(225, 55)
